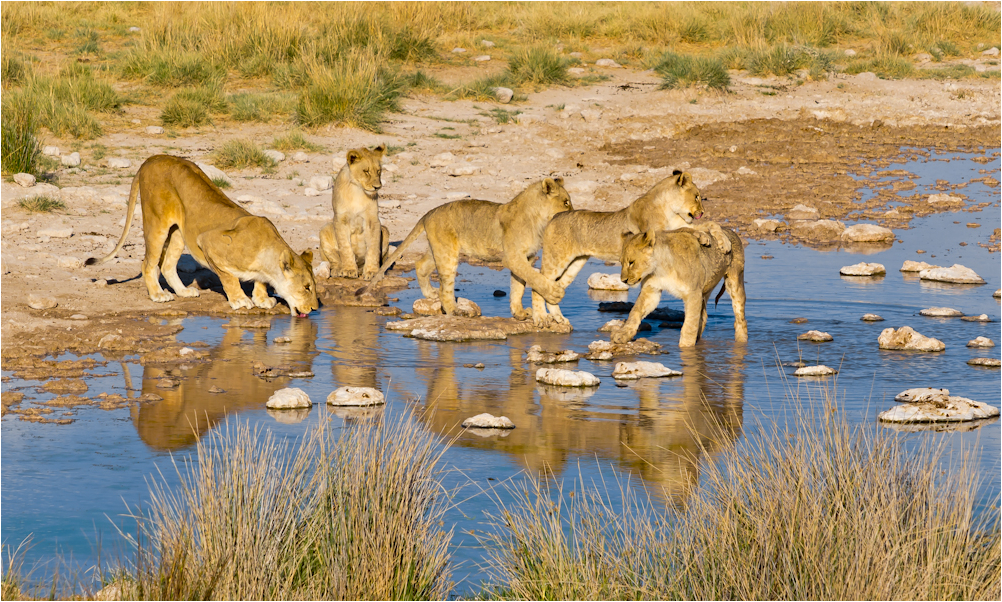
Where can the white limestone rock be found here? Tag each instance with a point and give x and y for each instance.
(940, 312)
(815, 336)
(458, 50)
(433, 307)
(71, 160)
(487, 43)
(488, 421)
(442, 159)
(607, 282)
(300, 157)
(954, 409)
(607, 63)
(154, 130)
(981, 343)
(591, 115)
(978, 318)
(40, 302)
(906, 339)
(916, 266)
(819, 230)
(871, 318)
(769, 225)
(863, 269)
(462, 169)
(356, 397)
(997, 294)
(802, 212)
(536, 355)
(311, 191)
(274, 155)
(50, 151)
(55, 233)
(815, 371)
(69, 262)
(322, 182)
(867, 233)
(119, 163)
(637, 370)
(985, 362)
(504, 95)
(566, 378)
(25, 180)
(483, 58)
(922, 395)
(289, 399)
(956, 274)
(214, 173)
(945, 199)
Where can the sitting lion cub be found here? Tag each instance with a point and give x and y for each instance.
(356, 239)
(182, 207)
(571, 238)
(511, 233)
(675, 262)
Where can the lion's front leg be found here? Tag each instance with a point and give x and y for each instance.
(342, 232)
(373, 236)
(646, 302)
(260, 296)
(234, 292)
(518, 311)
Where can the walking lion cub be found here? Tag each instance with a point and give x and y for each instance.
(677, 263)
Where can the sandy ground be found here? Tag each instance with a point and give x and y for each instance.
(755, 152)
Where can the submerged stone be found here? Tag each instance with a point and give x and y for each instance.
(637, 370)
(802, 212)
(916, 266)
(953, 409)
(355, 396)
(536, 355)
(566, 378)
(978, 318)
(871, 318)
(815, 336)
(940, 312)
(488, 421)
(867, 233)
(863, 269)
(457, 328)
(956, 274)
(287, 399)
(985, 362)
(815, 371)
(606, 350)
(906, 339)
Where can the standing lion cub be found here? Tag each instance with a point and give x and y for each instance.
(356, 239)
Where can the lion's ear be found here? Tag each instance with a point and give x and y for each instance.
(381, 149)
(559, 181)
(648, 238)
(683, 179)
(354, 157)
(549, 186)
(626, 236)
(307, 256)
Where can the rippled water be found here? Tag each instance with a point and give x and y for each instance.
(66, 485)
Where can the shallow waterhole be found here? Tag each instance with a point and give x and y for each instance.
(67, 484)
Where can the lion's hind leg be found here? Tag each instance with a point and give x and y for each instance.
(168, 265)
(155, 236)
(328, 248)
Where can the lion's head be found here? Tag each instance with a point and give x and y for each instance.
(555, 196)
(684, 198)
(298, 287)
(637, 257)
(366, 168)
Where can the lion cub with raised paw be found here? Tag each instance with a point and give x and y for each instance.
(182, 207)
(573, 237)
(355, 239)
(677, 263)
(511, 233)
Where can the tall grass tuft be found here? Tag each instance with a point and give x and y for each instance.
(339, 515)
(684, 70)
(172, 68)
(41, 204)
(252, 106)
(537, 65)
(356, 91)
(241, 153)
(295, 140)
(190, 107)
(19, 134)
(819, 510)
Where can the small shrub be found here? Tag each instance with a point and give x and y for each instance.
(241, 153)
(90, 42)
(537, 65)
(295, 140)
(778, 60)
(41, 204)
(356, 92)
(184, 112)
(12, 68)
(19, 134)
(683, 71)
(409, 45)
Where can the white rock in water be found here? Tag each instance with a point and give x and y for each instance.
(815, 371)
(802, 212)
(607, 282)
(566, 378)
(355, 396)
(442, 159)
(274, 155)
(536, 355)
(39, 302)
(24, 179)
(323, 270)
(154, 130)
(815, 336)
(636, 370)
(55, 233)
(119, 163)
(71, 160)
(978, 318)
(867, 233)
(945, 199)
(288, 399)
(609, 63)
(488, 421)
(70, 263)
(956, 274)
(940, 312)
(986, 362)
(433, 307)
(981, 342)
(611, 325)
(906, 339)
(322, 182)
(462, 169)
(871, 318)
(820, 230)
(922, 395)
(916, 266)
(997, 293)
(954, 409)
(50, 151)
(863, 269)
(769, 225)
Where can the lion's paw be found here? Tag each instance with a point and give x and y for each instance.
(244, 303)
(704, 239)
(187, 292)
(348, 273)
(266, 303)
(161, 297)
(621, 336)
(521, 314)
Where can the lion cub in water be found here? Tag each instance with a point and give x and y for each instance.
(356, 239)
(183, 207)
(510, 233)
(675, 262)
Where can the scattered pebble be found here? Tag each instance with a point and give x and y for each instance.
(802, 212)
(945, 199)
(289, 399)
(500, 293)
(768, 257)
(458, 50)
(871, 318)
(79, 317)
(71, 160)
(922, 395)
(50, 151)
(815, 336)
(274, 155)
(215, 389)
(483, 58)
(488, 421)
(798, 321)
(637, 370)
(154, 130)
(978, 318)
(985, 362)
(388, 311)
(487, 43)
(815, 371)
(38, 302)
(973, 225)
(567, 378)
(940, 312)
(356, 396)
(55, 233)
(863, 269)
(906, 339)
(981, 343)
(119, 163)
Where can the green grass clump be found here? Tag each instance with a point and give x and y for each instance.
(482, 89)
(885, 66)
(341, 514)
(19, 146)
(501, 116)
(421, 81)
(241, 153)
(41, 204)
(250, 106)
(949, 72)
(172, 68)
(816, 510)
(357, 91)
(295, 140)
(684, 70)
(222, 183)
(191, 107)
(538, 65)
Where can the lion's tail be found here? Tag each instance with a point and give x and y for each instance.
(723, 287)
(397, 254)
(129, 212)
